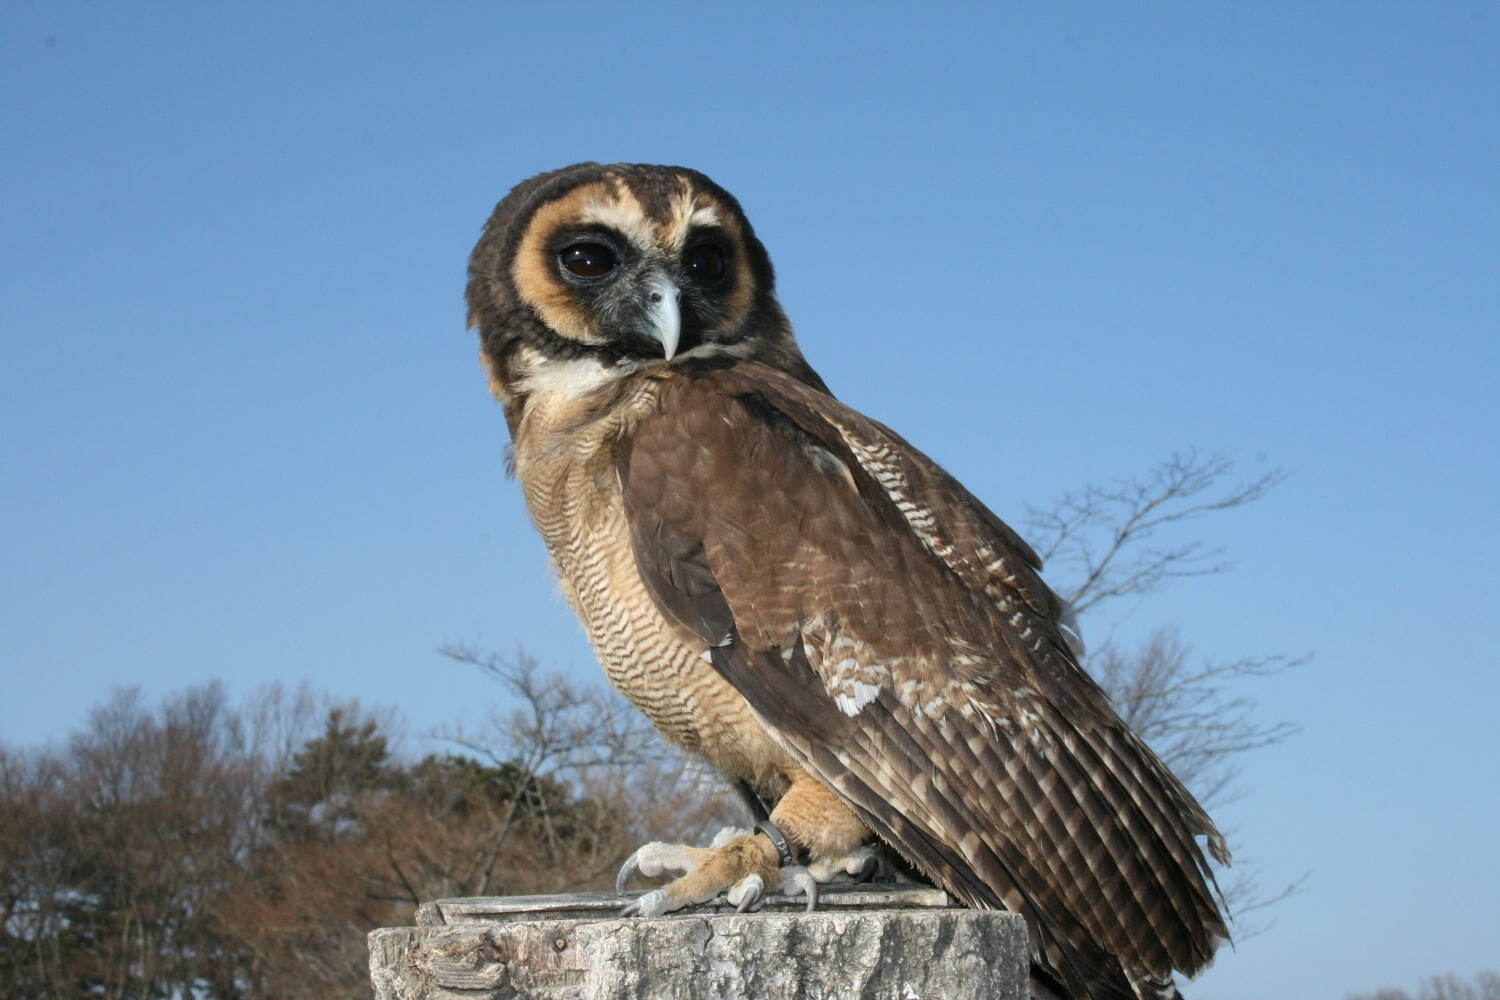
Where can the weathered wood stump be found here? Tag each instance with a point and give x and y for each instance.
(874, 942)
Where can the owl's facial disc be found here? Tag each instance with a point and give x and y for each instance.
(638, 268)
(595, 273)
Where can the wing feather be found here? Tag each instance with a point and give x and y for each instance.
(894, 635)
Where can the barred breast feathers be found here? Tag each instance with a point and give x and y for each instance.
(564, 461)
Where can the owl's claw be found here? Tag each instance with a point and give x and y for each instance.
(749, 892)
(626, 870)
(657, 857)
(746, 892)
(650, 904)
(797, 880)
(732, 869)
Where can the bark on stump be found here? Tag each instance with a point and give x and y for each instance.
(871, 942)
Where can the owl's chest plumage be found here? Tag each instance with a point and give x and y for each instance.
(565, 464)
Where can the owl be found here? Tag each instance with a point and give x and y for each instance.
(789, 590)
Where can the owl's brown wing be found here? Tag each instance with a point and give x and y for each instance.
(894, 635)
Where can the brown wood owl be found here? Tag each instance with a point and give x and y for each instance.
(789, 589)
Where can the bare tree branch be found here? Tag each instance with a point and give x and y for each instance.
(1105, 537)
(589, 736)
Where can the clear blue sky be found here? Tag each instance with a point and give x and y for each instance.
(245, 435)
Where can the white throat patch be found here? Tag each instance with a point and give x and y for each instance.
(571, 378)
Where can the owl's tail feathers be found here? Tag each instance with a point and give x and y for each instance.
(1043, 987)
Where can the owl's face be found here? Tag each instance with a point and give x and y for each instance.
(591, 273)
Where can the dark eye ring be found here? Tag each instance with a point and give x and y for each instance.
(588, 260)
(705, 262)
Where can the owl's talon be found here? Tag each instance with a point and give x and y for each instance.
(650, 904)
(746, 893)
(798, 881)
(627, 870)
(656, 858)
(705, 873)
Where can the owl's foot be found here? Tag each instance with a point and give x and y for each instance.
(860, 865)
(738, 863)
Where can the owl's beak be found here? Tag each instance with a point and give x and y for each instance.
(665, 316)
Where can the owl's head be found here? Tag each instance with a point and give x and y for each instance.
(590, 273)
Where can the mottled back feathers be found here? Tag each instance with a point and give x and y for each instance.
(896, 638)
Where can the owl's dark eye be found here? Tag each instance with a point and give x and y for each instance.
(704, 262)
(588, 260)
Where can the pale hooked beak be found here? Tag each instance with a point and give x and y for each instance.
(665, 316)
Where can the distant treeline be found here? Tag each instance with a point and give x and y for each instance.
(1485, 986)
(203, 849)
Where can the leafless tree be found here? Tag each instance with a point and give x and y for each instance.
(1131, 539)
(1122, 540)
(585, 735)
(1485, 986)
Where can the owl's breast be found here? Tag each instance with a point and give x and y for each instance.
(572, 492)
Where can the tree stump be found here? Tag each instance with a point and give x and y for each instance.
(874, 942)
